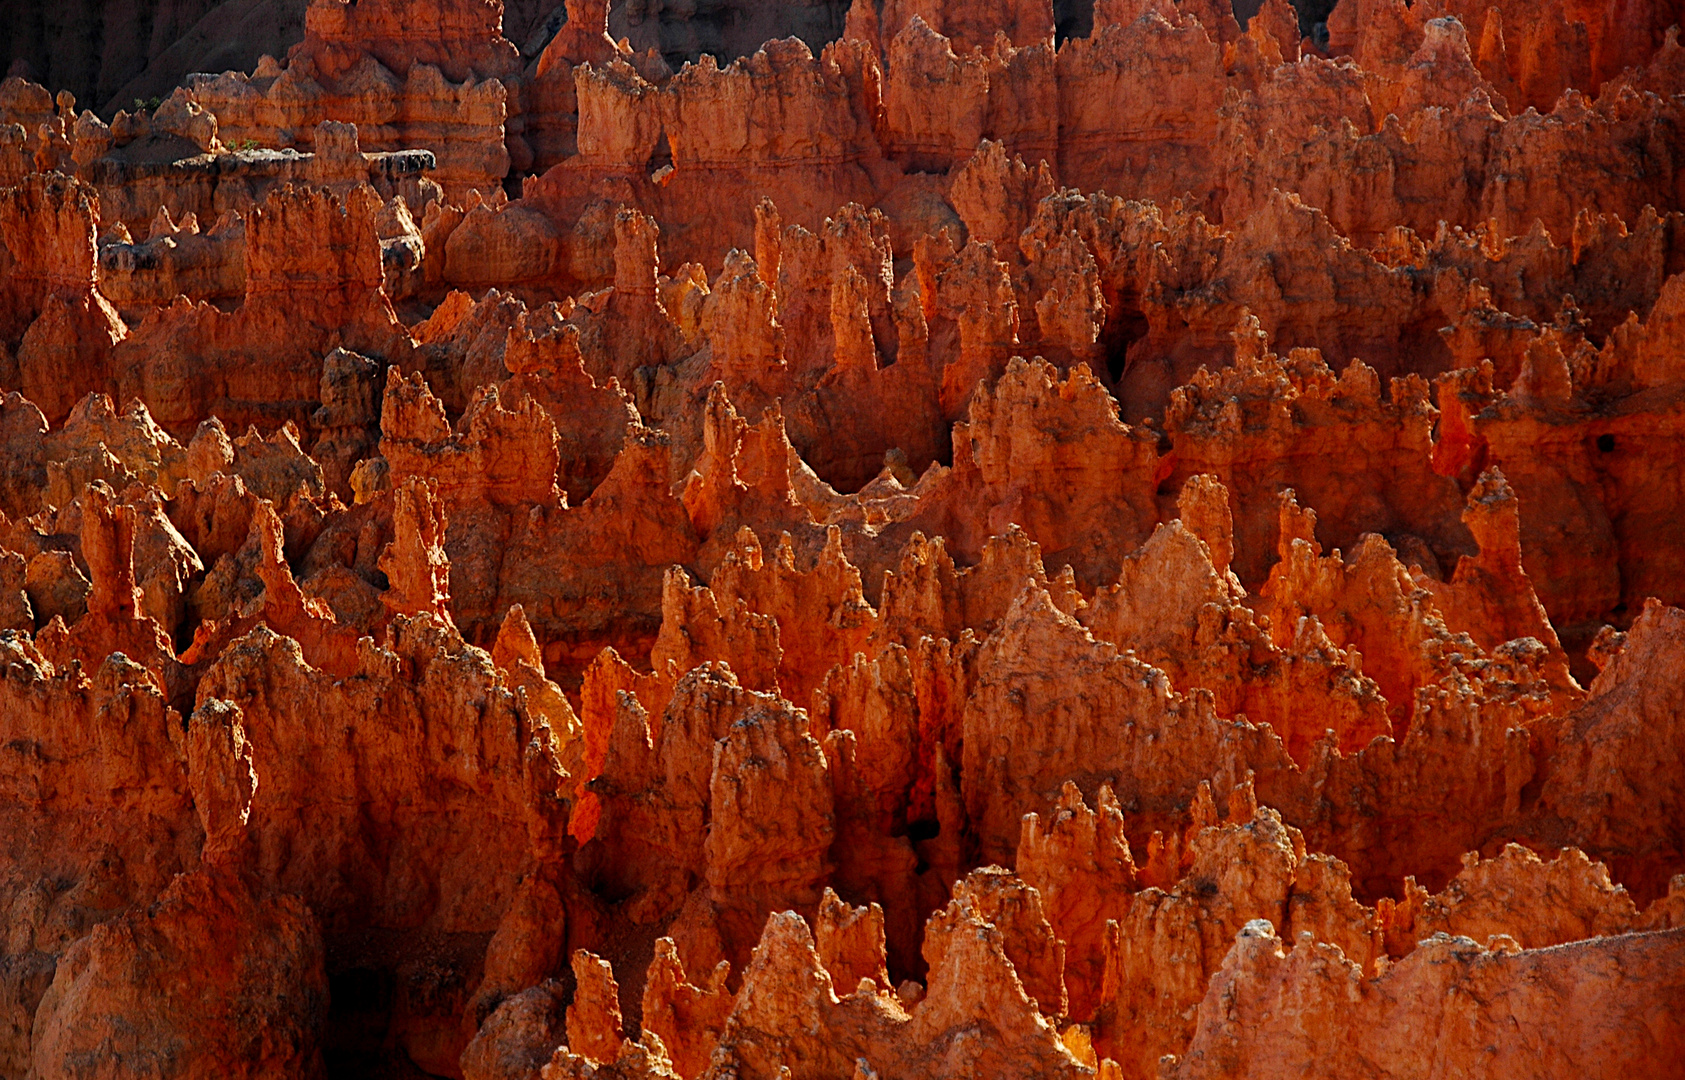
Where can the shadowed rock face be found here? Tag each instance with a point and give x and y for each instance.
(945, 538)
(110, 53)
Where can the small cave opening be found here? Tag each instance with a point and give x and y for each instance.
(662, 156)
(1125, 325)
(1606, 444)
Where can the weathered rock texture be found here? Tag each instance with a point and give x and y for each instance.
(924, 539)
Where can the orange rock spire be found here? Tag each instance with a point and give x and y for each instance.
(543, 541)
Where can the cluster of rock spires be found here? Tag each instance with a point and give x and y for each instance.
(1145, 552)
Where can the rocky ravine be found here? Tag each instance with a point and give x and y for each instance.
(973, 545)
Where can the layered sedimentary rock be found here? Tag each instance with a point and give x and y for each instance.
(981, 538)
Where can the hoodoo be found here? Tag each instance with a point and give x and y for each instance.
(904, 538)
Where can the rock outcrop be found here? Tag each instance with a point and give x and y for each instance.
(935, 538)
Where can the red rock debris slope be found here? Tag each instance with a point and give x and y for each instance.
(963, 553)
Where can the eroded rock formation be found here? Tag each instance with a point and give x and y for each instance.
(980, 538)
